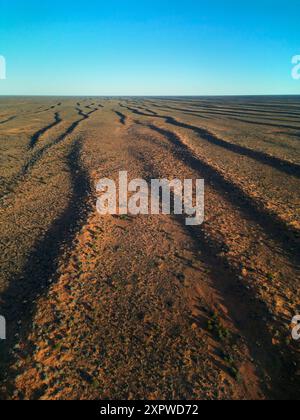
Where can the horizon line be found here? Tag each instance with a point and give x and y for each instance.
(150, 96)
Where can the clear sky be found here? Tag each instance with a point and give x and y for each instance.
(157, 47)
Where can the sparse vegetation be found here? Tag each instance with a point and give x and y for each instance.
(103, 308)
(217, 328)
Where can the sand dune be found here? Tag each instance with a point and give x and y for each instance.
(136, 307)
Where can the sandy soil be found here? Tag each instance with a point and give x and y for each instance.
(144, 307)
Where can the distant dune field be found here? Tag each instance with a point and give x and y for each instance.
(145, 307)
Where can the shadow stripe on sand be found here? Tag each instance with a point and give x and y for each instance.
(276, 163)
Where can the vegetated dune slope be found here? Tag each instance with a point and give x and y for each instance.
(144, 306)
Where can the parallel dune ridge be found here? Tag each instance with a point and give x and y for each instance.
(145, 307)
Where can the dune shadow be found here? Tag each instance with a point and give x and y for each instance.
(249, 316)
(36, 136)
(122, 117)
(289, 168)
(287, 237)
(8, 120)
(18, 305)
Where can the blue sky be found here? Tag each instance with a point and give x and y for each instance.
(158, 47)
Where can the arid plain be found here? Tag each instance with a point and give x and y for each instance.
(145, 307)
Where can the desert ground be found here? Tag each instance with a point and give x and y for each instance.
(145, 307)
